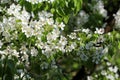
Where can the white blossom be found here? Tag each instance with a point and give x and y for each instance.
(73, 36)
(63, 40)
(82, 18)
(103, 72)
(89, 78)
(108, 63)
(113, 69)
(100, 8)
(1, 43)
(4, 1)
(117, 19)
(105, 50)
(14, 9)
(39, 1)
(23, 49)
(99, 31)
(116, 76)
(34, 52)
(86, 30)
(28, 31)
(71, 47)
(61, 25)
(25, 57)
(110, 77)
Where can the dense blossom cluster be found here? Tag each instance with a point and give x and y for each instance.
(26, 38)
(5, 1)
(109, 72)
(82, 18)
(38, 1)
(22, 37)
(18, 32)
(99, 31)
(31, 1)
(117, 18)
(100, 8)
(43, 28)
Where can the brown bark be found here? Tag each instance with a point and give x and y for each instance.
(81, 74)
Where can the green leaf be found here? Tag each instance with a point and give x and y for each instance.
(119, 44)
(77, 4)
(28, 6)
(59, 19)
(52, 10)
(11, 65)
(66, 19)
(60, 11)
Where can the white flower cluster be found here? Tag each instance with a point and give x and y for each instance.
(117, 19)
(99, 31)
(25, 38)
(97, 55)
(73, 35)
(111, 72)
(22, 74)
(38, 1)
(7, 1)
(108, 72)
(31, 1)
(46, 32)
(100, 8)
(9, 51)
(82, 18)
(4, 1)
(86, 30)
